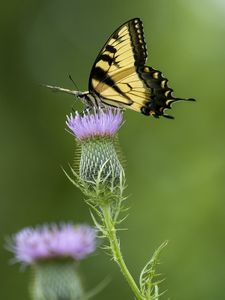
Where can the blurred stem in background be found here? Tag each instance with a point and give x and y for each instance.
(100, 176)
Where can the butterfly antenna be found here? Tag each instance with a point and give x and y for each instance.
(70, 77)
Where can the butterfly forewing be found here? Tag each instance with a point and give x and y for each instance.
(114, 74)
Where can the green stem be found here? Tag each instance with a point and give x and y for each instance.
(115, 248)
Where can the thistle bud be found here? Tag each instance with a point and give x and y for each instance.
(96, 134)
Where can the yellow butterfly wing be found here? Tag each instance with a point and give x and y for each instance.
(120, 78)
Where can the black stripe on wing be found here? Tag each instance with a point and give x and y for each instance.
(100, 73)
(138, 41)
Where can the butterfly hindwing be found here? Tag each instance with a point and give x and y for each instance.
(120, 78)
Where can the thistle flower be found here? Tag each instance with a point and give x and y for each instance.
(31, 245)
(96, 134)
(52, 252)
(101, 123)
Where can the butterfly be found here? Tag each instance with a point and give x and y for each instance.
(120, 78)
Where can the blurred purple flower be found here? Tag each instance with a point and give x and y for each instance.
(44, 242)
(99, 123)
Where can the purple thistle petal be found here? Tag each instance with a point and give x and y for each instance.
(66, 240)
(100, 123)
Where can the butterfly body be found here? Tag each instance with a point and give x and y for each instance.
(120, 78)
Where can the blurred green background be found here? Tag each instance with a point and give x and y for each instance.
(175, 169)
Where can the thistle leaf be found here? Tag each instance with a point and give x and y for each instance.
(148, 283)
